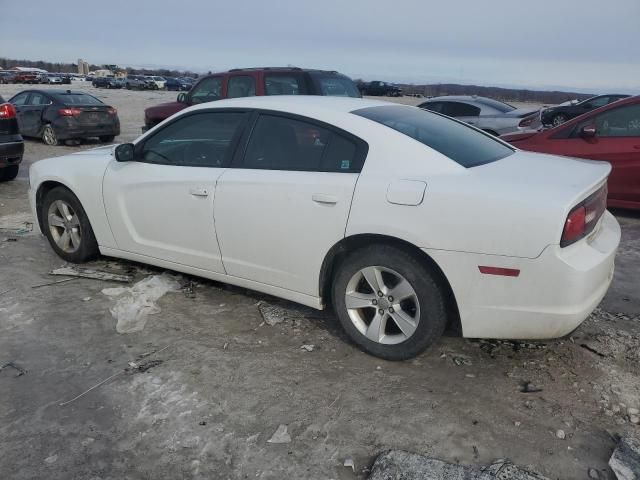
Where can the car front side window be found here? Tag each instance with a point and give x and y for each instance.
(208, 90)
(241, 86)
(20, 99)
(197, 140)
(617, 122)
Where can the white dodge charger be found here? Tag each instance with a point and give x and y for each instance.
(405, 221)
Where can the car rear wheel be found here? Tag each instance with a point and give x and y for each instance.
(67, 227)
(559, 119)
(388, 302)
(8, 173)
(49, 136)
(107, 138)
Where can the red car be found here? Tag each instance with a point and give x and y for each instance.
(247, 82)
(610, 133)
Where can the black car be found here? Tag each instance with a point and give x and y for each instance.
(106, 82)
(58, 115)
(555, 116)
(380, 89)
(176, 84)
(11, 144)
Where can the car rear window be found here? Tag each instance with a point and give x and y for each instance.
(462, 144)
(334, 85)
(78, 99)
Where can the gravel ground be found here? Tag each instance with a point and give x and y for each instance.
(206, 405)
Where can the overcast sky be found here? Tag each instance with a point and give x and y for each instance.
(583, 45)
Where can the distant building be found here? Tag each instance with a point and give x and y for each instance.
(83, 67)
(103, 73)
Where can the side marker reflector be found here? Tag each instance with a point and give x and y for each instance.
(505, 272)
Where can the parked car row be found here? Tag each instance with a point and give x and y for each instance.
(143, 82)
(380, 89)
(10, 76)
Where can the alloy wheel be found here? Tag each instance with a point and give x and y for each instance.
(49, 136)
(559, 120)
(64, 226)
(382, 305)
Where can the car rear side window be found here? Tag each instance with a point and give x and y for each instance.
(241, 86)
(198, 140)
(459, 109)
(462, 144)
(282, 143)
(334, 85)
(283, 84)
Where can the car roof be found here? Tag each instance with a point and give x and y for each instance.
(462, 98)
(302, 104)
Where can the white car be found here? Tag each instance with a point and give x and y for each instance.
(159, 81)
(405, 221)
(52, 79)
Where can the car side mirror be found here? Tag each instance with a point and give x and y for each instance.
(124, 152)
(182, 98)
(588, 131)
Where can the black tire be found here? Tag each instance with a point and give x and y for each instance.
(49, 136)
(426, 284)
(88, 247)
(559, 119)
(107, 138)
(9, 173)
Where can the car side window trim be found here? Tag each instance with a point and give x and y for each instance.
(229, 155)
(362, 147)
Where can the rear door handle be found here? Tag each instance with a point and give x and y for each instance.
(199, 192)
(323, 198)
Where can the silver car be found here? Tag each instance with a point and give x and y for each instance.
(492, 116)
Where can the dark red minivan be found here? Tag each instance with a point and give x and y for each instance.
(249, 82)
(610, 133)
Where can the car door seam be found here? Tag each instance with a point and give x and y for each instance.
(213, 213)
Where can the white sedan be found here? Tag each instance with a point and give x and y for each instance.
(405, 221)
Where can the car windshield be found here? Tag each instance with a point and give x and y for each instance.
(78, 99)
(334, 85)
(500, 106)
(462, 144)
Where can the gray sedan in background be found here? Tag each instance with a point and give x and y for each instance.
(492, 116)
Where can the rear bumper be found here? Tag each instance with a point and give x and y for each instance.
(551, 297)
(67, 130)
(11, 152)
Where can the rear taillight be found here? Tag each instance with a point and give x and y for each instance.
(7, 111)
(584, 217)
(111, 111)
(526, 122)
(69, 112)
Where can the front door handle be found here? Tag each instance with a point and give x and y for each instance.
(324, 198)
(199, 192)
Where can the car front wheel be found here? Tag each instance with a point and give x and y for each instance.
(559, 119)
(389, 303)
(67, 227)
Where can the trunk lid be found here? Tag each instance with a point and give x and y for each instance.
(522, 112)
(94, 114)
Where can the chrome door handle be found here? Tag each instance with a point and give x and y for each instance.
(323, 198)
(199, 192)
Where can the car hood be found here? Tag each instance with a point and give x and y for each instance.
(95, 151)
